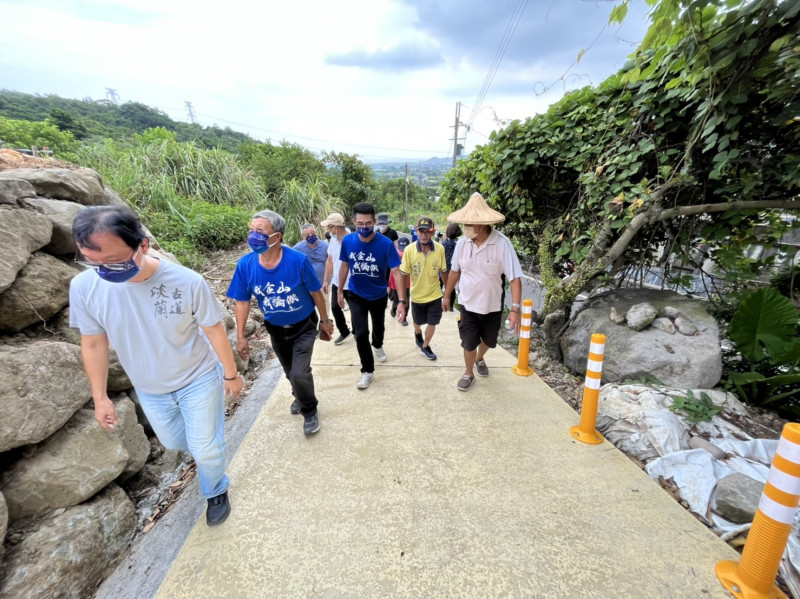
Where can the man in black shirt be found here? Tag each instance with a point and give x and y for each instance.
(382, 224)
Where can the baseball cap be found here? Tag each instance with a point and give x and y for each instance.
(403, 242)
(425, 224)
(382, 219)
(335, 219)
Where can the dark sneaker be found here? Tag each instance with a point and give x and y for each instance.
(311, 423)
(420, 341)
(340, 339)
(219, 508)
(428, 353)
(481, 368)
(404, 323)
(393, 311)
(295, 408)
(465, 382)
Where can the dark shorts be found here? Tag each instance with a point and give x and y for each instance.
(474, 328)
(429, 313)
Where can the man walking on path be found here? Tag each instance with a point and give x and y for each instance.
(166, 327)
(424, 261)
(337, 231)
(287, 290)
(482, 260)
(382, 224)
(313, 248)
(368, 257)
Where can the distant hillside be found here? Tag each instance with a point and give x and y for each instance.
(101, 118)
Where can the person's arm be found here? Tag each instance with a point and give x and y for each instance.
(452, 281)
(95, 352)
(325, 323)
(242, 311)
(400, 288)
(343, 270)
(516, 299)
(232, 382)
(328, 273)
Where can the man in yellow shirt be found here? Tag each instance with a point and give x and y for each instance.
(424, 262)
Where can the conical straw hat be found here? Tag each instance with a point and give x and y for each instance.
(476, 212)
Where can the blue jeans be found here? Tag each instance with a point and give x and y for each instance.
(193, 418)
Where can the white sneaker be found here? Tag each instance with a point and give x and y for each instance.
(365, 380)
(380, 354)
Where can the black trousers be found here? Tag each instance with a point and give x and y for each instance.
(338, 313)
(294, 346)
(361, 309)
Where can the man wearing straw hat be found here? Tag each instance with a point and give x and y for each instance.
(483, 259)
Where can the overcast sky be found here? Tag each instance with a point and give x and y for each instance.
(377, 78)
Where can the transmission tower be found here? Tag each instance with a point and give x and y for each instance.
(190, 112)
(112, 95)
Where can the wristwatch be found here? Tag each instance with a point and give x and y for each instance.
(402, 302)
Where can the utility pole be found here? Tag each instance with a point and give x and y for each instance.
(112, 95)
(455, 134)
(190, 112)
(406, 202)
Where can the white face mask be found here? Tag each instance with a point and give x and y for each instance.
(382, 228)
(470, 232)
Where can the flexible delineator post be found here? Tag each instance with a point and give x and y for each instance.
(754, 576)
(585, 431)
(522, 368)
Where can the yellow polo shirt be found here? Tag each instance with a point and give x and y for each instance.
(424, 270)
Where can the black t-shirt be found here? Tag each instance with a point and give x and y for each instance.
(390, 233)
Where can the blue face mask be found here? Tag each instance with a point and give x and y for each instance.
(119, 273)
(259, 242)
(365, 231)
(312, 239)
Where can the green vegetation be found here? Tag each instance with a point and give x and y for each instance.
(24, 134)
(700, 409)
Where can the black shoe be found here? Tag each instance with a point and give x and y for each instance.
(393, 311)
(404, 323)
(311, 423)
(219, 508)
(340, 339)
(428, 353)
(419, 339)
(295, 408)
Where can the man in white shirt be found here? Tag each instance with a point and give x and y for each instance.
(482, 261)
(335, 225)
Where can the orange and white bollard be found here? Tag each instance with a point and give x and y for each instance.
(522, 368)
(754, 576)
(585, 431)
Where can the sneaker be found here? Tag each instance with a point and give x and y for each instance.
(465, 382)
(481, 368)
(393, 311)
(340, 339)
(219, 508)
(295, 407)
(380, 354)
(404, 323)
(311, 423)
(365, 380)
(428, 353)
(420, 341)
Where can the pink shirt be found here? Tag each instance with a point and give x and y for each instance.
(480, 286)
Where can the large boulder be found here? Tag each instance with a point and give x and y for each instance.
(12, 190)
(3, 520)
(70, 467)
(70, 554)
(131, 435)
(676, 360)
(21, 232)
(41, 386)
(81, 185)
(40, 291)
(61, 213)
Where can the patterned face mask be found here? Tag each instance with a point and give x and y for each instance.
(259, 242)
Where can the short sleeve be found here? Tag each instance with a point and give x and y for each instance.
(207, 309)
(405, 264)
(310, 279)
(79, 317)
(454, 263)
(238, 289)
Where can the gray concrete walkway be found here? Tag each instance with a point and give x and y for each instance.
(415, 489)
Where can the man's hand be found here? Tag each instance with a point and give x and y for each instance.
(513, 319)
(327, 328)
(105, 413)
(446, 307)
(233, 387)
(340, 293)
(243, 348)
(401, 312)
(325, 288)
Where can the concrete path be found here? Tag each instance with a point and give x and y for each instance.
(415, 489)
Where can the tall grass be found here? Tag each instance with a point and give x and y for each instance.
(305, 201)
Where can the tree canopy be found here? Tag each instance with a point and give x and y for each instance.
(693, 145)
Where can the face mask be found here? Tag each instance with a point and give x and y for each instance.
(382, 228)
(119, 273)
(259, 242)
(470, 232)
(365, 231)
(311, 239)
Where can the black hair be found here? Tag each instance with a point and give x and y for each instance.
(363, 208)
(117, 220)
(453, 231)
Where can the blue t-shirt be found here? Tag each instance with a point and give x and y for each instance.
(283, 292)
(317, 255)
(369, 264)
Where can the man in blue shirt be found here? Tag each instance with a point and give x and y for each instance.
(287, 290)
(314, 248)
(368, 257)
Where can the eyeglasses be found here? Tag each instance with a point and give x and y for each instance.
(115, 266)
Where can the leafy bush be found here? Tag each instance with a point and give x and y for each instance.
(26, 134)
(217, 227)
